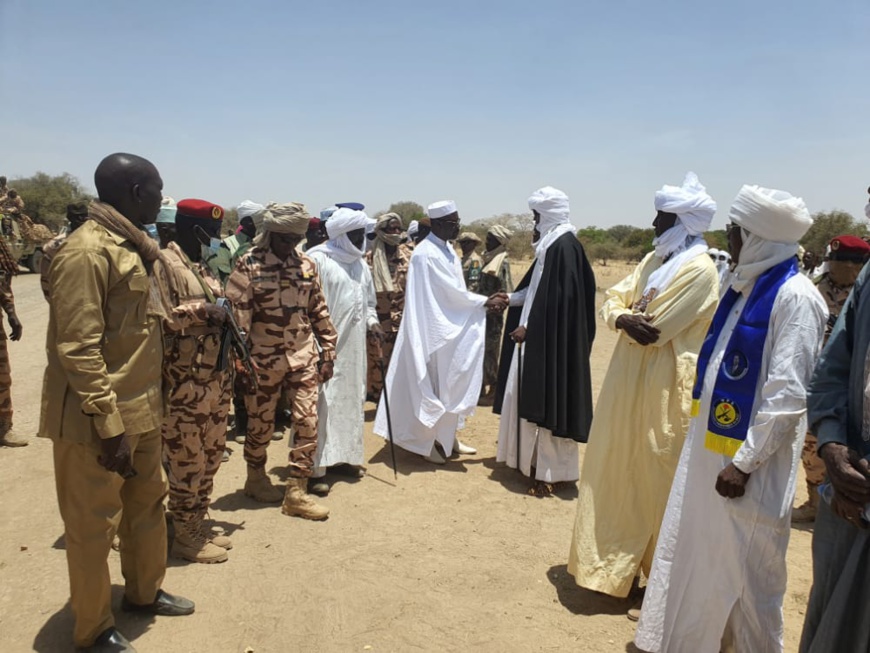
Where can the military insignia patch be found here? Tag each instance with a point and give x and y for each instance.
(216, 213)
(726, 413)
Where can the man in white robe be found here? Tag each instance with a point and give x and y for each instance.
(436, 370)
(719, 572)
(350, 296)
(662, 312)
(558, 296)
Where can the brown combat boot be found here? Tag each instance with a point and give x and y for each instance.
(298, 503)
(806, 513)
(218, 539)
(191, 544)
(260, 488)
(10, 439)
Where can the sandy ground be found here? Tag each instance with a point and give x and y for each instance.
(452, 558)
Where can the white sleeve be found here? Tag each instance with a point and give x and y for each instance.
(518, 297)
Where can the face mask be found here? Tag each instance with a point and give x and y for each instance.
(150, 229)
(210, 251)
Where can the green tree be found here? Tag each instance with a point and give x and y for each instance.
(407, 210)
(46, 197)
(717, 239)
(621, 232)
(604, 251)
(521, 224)
(829, 225)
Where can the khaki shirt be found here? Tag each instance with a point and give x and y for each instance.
(49, 250)
(280, 304)
(105, 352)
(391, 305)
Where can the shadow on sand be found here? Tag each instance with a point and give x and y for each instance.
(582, 601)
(516, 482)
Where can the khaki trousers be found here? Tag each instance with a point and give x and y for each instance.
(94, 505)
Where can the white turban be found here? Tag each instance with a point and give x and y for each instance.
(337, 227)
(441, 209)
(552, 205)
(690, 202)
(772, 222)
(773, 215)
(247, 209)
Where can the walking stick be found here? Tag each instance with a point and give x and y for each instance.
(389, 418)
(519, 398)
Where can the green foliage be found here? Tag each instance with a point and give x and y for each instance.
(231, 221)
(407, 210)
(827, 226)
(717, 239)
(45, 197)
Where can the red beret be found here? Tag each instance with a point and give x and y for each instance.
(313, 223)
(850, 245)
(200, 209)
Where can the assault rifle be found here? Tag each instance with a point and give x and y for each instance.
(233, 338)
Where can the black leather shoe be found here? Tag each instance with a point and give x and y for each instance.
(165, 605)
(110, 641)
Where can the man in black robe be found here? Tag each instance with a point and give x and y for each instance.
(547, 408)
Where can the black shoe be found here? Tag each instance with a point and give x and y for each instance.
(165, 605)
(110, 641)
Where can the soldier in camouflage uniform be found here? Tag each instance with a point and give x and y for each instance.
(848, 255)
(280, 306)
(195, 427)
(472, 263)
(7, 302)
(495, 277)
(389, 260)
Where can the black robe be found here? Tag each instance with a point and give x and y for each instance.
(556, 383)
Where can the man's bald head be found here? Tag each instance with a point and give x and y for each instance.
(130, 184)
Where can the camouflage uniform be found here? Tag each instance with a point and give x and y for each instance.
(7, 303)
(281, 307)
(834, 296)
(489, 285)
(195, 427)
(389, 307)
(471, 268)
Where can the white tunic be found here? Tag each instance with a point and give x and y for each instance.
(718, 576)
(554, 459)
(350, 296)
(437, 365)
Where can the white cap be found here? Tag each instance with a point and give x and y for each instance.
(441, 209)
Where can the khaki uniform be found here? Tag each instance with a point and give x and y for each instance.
(834, 296)
(280, 305)
(7, 303)
(472, 265)
(390, 306)
(103, 379)
(195, 427)
(49, 250)
(489, 285)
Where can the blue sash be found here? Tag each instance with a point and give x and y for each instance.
(734, 392)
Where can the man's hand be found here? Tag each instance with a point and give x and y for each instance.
(497, 302)
(848, 473)
(215, 314)
(377, 333)
(849, 510)
(639, 328)
(518, 335)
(327, 369)
(244, 377)
(731, 482)
(15, 325)
(116, 456)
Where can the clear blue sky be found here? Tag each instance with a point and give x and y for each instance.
(480, 101)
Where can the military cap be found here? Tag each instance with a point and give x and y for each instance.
(353, 206)
(849, 248)
(199, 209)
(313, 224)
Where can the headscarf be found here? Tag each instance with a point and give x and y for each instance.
(552, 205)
(249, 209)
(381, 276)
(694, 209)
(493, 259)
(288, 218)
(413, 228)
(339, 246)
(772, 222)
(469, 236)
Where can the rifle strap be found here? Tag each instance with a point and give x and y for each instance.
(209, 295)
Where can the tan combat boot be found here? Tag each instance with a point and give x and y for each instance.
(806, 513)
(191, 544)
(298, 503)
(10, 439)
(218, 539)
(260, 488)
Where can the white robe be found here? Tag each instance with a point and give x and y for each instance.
(437, 364)
(350, 296)
(555, 459)
(719, 573)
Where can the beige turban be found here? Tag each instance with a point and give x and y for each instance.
(385, 219)
(501, 233)
(289, 218)
(468, 236)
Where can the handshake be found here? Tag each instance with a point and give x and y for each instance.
(497, 302)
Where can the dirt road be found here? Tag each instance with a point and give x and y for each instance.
(455, 558)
